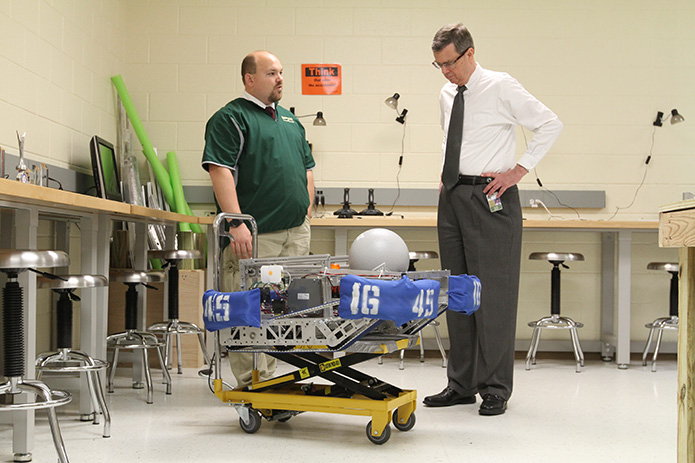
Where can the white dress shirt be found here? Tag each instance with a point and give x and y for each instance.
(246, 95)
(495, 103)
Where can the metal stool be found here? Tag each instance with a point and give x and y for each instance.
(414, 257)
(13, 262)
(664, 323)
(555, 321)
(67, 359)
(131, 338)
(174, 326)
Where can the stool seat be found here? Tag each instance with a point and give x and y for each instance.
(72, 282)
(556, 256)
(664, 266)
(417, 255)
(24, 259)
(663, 323)
(174, 254)
(136, 276)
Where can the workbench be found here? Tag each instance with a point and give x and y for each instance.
(21, 207)
(616, 260)
(677, 229)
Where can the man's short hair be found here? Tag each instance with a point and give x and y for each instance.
(457, 34)
(248, 65)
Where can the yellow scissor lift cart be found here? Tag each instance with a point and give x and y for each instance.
(300, 326)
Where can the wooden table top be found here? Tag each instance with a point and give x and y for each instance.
(34, 195)
(431, 222)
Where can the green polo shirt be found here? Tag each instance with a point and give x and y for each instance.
(269, 159)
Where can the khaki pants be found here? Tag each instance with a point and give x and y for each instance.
(283, 243)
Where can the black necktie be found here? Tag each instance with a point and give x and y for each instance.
(452, 154)
(271, 111)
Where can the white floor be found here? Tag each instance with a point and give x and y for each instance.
(555, 415)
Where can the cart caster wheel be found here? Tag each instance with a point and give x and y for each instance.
(407, 426)
(254, 422)
(380, 439)
(284, 420)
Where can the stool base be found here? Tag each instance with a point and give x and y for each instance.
(175, 327)
(64, 361)
(660, 324)
(137, 340)
(555, 322)
(51, 399)
(401, 363)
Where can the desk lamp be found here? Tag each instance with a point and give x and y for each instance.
(319, 117)
(392, 102)
(674, 116)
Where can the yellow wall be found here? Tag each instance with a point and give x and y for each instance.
(605, 68)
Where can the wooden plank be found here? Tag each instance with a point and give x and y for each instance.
(431, 222)
(591, 225)
(370, 222)
(157, 215)
(677, 228)
(686, 357)
(26, 193)
(688, 204)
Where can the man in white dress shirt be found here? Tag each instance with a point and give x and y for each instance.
(479, 216)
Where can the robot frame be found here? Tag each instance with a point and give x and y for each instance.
(303, 318)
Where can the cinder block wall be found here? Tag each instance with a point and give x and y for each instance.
(605, 68)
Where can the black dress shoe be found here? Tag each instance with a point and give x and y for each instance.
(493, 404)
(448, 397)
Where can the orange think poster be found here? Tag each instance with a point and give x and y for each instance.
(322, 79)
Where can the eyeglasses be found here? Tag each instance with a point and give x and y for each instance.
(449, 64)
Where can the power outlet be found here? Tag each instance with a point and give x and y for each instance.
(319, 198)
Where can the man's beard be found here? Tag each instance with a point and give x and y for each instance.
(275, 96)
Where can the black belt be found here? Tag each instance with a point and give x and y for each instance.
(473, 180)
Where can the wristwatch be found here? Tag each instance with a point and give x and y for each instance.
(234, 223)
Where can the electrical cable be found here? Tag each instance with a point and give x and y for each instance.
(60, 185)
(540, 184)
(644, 176)
(536, 202)
(400, 166)
(618, 208)
(208, 373)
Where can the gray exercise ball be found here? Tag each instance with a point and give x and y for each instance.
(378, 249)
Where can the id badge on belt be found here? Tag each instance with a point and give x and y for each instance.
(494, 202)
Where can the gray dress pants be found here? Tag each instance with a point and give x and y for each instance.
(475, 241)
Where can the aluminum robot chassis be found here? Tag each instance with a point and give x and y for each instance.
(320, 345)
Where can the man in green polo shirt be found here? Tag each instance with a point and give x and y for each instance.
(260, 164)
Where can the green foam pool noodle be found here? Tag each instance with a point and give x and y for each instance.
(194, 226)
(157, 166)
(182, 206)
(179, 201)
